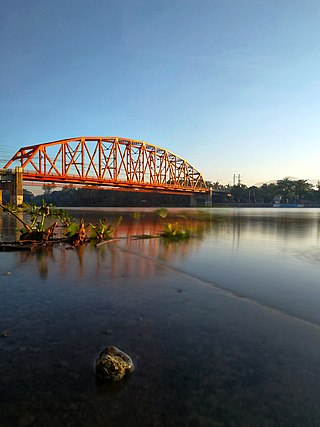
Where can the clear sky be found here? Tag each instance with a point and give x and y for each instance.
(232, 86)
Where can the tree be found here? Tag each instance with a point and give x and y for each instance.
(28, 196)
(286, 189)
(302, 189)
(240, 193)
(294, 190)
(47, 189)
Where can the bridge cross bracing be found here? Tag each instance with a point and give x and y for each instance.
(108, 161)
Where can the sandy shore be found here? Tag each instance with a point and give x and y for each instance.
(203, 356)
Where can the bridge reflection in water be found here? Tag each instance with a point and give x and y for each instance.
(119, 259)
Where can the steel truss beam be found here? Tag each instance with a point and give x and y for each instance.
(108, 161)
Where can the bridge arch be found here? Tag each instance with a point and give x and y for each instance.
(108, 161)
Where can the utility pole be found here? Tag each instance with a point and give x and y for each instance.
(234, 179)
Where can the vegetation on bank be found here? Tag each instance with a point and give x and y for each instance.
(287, 190)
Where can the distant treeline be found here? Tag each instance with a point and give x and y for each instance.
(285, 190)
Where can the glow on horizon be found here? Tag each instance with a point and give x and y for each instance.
(231, 86)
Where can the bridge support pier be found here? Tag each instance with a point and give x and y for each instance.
(12, 181)
(204, 200)
(16, 195)
(209, 199)
(193, 201)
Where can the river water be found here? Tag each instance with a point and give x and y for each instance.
(223, 328)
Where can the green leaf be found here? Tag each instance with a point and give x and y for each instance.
(72, 229)
(162, 212)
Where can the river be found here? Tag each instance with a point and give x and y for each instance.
(223, 328)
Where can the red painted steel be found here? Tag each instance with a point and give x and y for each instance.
(108, 161)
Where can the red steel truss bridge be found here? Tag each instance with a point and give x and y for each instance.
(107, 162)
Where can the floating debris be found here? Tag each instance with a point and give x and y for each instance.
(113, 364)
(106, 241)
(145, 236)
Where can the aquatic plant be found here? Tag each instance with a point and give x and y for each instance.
(11, 207)
(175, 231)
(64, 217)
(51, 212)
(76, 233)
(36, 230)
(104, 230)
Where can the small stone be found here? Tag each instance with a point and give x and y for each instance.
(113, 364)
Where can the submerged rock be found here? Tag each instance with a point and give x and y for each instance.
(113, 364)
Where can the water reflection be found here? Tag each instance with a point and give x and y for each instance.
(10, 226)
(267, 255)
(213, 354)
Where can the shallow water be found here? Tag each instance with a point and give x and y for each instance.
(223, 328)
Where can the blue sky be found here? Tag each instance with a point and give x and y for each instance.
(232, 86)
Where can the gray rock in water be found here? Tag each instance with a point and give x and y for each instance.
(113, 364)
